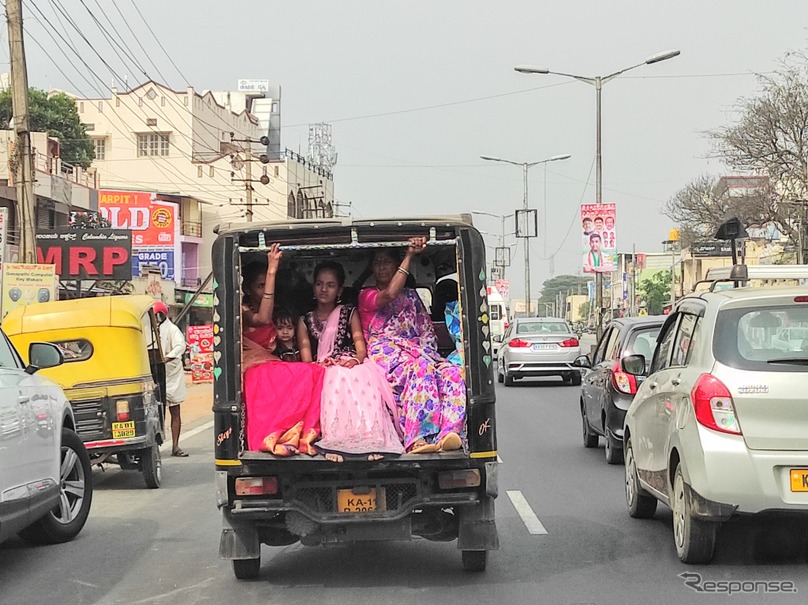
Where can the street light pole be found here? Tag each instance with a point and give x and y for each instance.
(525, 167)
(598, 82)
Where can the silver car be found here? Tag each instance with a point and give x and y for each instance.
(720, 425)
(538, 346)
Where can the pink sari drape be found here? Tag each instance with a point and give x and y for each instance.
(282, 399)
(358, 413)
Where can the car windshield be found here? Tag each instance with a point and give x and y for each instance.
(763, 338)
(542, 327)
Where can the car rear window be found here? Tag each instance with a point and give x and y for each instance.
(543, 327)
(642, 342)
(764, 339)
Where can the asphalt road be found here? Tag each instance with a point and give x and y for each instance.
(160, 546)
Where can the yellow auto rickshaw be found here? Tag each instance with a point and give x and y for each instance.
(112, 373)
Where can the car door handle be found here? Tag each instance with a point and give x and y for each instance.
(676, 381)
(23, 399)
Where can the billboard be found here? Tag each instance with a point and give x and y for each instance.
(598, 238)
(200, 339)
(86, 254)
(24, 284)
(154, 225)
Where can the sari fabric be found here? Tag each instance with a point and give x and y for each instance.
(357, 410)
(282, 399)
(429, 391)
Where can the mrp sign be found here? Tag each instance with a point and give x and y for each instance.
(86, 254)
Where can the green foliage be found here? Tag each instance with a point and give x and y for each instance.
(88, 220)
(57, 115)
(656, 291)
(563, 284)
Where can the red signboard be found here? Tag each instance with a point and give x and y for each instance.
(200, 339)
(152, 222)
(86, 253)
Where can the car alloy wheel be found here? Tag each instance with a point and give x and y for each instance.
(694, 538)
(640, 504)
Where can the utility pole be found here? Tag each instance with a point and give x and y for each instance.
(249, 189)
(22, 158)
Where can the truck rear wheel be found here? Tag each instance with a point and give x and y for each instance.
(247, 569)
(475, 560)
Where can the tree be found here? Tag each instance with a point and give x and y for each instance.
(656, 291)
(563, 284)
(771, 137)
(699, 209)
(88, 220)
(57, 115)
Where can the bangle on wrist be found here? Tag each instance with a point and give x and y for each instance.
(403, 270)
(269, 294)
(356, 359)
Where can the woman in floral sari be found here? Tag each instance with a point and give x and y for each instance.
(430, 392)
(357, 411)
(282, 399)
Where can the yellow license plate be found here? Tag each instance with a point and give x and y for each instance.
(350, 502)
(123, 430)
(799, 479)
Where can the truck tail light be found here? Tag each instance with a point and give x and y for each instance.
(570, 342)
(122, 410)
(458, 479)
(256, 486)
(518, 343)
(713, 404)
(625, 383)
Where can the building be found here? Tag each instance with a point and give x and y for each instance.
(190, 149)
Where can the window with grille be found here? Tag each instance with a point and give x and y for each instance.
(100, 149)
(153, 144)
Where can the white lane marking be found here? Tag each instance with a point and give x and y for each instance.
(529, 518)
(499, 459)
(191, 433)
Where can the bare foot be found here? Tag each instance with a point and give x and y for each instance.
(374, 457)
(334, 458)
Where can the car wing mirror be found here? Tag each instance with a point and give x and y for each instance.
(42, 355)
(582, 361)
(633, 364)
(497, 338)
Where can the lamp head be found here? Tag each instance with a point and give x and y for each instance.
(668, 54)
(531, 69)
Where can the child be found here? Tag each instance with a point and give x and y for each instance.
(286, 347)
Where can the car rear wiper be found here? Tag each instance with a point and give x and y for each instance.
(798, 361)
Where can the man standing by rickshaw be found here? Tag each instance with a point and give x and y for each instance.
(173, 344)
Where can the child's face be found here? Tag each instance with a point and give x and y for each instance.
(286, 332)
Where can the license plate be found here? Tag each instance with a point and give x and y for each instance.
(543, 347)
(799, 479)
(350, 502)
(122, 430)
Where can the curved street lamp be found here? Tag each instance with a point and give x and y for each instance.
(598, 82)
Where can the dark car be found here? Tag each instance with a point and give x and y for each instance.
(607, 391)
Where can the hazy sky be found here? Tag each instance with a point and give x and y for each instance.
(416, 91)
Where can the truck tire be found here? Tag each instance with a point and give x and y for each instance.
(151, 465)
(246, 569)
(64, 522)
(475, 560)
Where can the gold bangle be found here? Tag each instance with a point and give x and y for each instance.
(269, 295)
(403, 270)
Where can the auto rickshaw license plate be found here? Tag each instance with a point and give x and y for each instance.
(349, 502)
(799, 479)
(122, 430)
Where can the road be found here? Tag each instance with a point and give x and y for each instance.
(160, 546)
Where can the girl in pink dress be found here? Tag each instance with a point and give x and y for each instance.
(357, 409)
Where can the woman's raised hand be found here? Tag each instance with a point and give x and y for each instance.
(417, 245)
(274, 257)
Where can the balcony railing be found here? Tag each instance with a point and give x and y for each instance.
(192, 228)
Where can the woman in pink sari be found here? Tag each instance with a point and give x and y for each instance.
(282, 399)
(357, 410)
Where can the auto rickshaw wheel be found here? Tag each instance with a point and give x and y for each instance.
(247, 569)
(127, 461)
(151, 465)
(475, 560)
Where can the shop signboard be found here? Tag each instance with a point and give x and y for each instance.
(200, 341)
(25, 284)
(86, 253)
(202, 300)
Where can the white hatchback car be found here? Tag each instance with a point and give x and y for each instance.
(46, 482)
(720, 425)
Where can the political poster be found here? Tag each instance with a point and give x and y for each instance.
(86, 253)
(25, 284)
(598, 238)
(200, 341)
(504, 288)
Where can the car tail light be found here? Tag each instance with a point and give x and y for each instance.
(518, 343)
(256, 486)
(570, 342)
(625, 383)
(122, 410)
(712, 402)
(801, 299)
(456, 479)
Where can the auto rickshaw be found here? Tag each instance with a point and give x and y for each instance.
(113, 373)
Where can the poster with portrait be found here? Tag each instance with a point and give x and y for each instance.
(598, 238)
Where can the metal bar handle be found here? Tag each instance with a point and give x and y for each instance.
(354, 245)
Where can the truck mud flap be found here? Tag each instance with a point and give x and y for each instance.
(386, 531)
(478, 529)
(239, 543)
